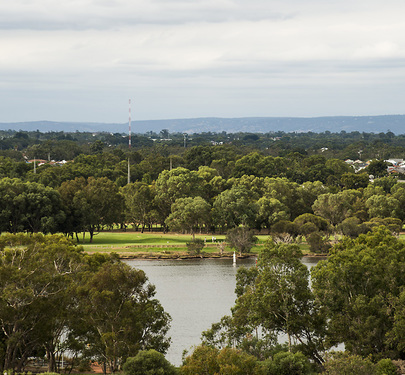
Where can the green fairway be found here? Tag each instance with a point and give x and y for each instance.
(151, 244)
(136, 242)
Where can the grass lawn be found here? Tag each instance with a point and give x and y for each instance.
(131, 243)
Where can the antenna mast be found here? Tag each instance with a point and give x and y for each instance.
(129, 126)
(129, 141)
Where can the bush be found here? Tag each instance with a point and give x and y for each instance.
(342, 363)
(287, 363)
(148, 362)
(208, 360)
(386, 367)
(317, 243)
(241, 239)
(351, 227)
(195, 246)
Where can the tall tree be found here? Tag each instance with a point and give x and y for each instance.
(174, 184)
(120, 315)
(29, 206)
(139, 202)
(189, 214)
(357, 286)
(273, 298)
(95, 203)
(233, 207)
(35, 273)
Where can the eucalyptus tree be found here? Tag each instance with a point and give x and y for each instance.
(339, 206)
(189, 214)
(176, 183)
(139, 203)
(35, 274)
(117, 315)
(360, 287)
(273, 298)
(53, 297)
(94, 203)
(29, 206)
(234, 207)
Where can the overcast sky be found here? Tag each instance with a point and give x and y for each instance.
(81, 60)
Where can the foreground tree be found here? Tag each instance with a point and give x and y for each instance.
(53, 297)
(118, 315)
(36, 273)
(273, 298)
(358, 287)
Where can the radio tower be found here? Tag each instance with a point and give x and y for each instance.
(129, 126)
(129, 141)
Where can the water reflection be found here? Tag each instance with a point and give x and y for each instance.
(196, 293)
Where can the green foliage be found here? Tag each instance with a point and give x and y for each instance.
(113, 302)
(195, 246)
(189, 214)
(287, 363)
(283, 227)
(386, 367)
(318, 243)
(53, 296)
(148, 362)
(273, 298)
(320, 223)
(206, 360)
(234, 207)
(357, 287)
(336, 207)
(203, 361)
(352, 227)
(377, 168)
(241, 239)
(343, 363)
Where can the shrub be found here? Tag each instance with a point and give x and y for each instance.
(317, 243)
(287, 363)
(195, 246)
(206, 360)
(148, 362)
(342, 363)
(386, 367)
(241, 239)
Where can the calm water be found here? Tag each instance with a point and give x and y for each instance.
(196, 293)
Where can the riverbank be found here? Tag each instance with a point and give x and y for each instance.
(185, 256)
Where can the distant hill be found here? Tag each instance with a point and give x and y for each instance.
(368, 124)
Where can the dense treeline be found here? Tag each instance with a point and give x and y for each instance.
(198, 188)
(186, 200)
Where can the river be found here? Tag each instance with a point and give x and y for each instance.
(196, 293)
